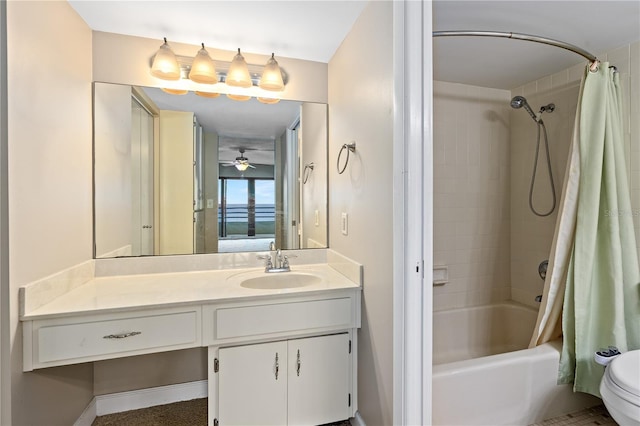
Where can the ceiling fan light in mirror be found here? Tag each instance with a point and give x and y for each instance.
(238, 74)
(165, 65)
(271, 76)
(269, 101)
(242, 166)
(203, 70)
(238, 97)
(174, 91)
(207, 94)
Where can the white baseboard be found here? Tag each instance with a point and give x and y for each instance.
(357, 420)
(88, 415)
(143, 398)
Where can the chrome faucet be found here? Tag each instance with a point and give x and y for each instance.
(279, 262)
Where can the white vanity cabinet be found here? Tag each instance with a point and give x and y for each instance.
(276, 356)
(297, 382)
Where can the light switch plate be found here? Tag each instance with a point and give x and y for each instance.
(344, 224)
(209, 203)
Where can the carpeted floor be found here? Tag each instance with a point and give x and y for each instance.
(191, 413)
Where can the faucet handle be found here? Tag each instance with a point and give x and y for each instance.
(285, 260)
(266, 257)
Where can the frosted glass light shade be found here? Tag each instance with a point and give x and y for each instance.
(203, 70)
(238, 74)
(207, 94)
(174, 91)
(268, 100)
(242, 166)
(271, 76)
(238, 97)
(165, 65)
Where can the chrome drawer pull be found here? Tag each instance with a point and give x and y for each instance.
(122, 335)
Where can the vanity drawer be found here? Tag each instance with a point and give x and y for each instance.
(67, 341)
(256, 320)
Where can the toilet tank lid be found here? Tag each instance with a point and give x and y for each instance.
(624, 371)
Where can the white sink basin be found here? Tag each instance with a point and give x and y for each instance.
(280, 280)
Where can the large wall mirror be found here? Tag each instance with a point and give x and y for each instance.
(185, 174)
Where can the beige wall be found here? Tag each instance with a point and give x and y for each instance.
(313, 118)
(307, 79)
(50, 203)
(146, 371)
(361, 110)
(176, 182)
(471, 218)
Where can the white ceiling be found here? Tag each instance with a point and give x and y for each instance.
(308, 29)
(595, 26)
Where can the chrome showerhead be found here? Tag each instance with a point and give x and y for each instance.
(519, 102)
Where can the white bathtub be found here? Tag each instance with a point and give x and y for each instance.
(484, 375)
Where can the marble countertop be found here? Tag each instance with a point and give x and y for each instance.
(163, 290)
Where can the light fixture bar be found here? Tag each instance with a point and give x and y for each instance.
(255, 71)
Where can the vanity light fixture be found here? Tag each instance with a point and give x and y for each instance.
(238, 75)
(271, 76)
(203, 70)
(165, 64)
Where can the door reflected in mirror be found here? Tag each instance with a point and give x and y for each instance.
(185, 174)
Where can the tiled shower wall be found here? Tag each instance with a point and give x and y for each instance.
(471, 194)
(531, 236)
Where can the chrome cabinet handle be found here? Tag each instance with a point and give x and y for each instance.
(277, 366)
(122, 335)
(298, 363)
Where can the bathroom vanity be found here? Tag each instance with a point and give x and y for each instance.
(275, 342)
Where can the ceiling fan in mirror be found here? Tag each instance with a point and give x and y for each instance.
(241, 163)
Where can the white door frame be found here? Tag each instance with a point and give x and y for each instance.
(413, 211)
(5, 340)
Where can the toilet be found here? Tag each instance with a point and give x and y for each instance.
(620, 388)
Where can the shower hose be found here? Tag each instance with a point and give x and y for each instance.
(535, 168)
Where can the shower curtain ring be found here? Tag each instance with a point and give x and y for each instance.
(350, 147)
(595, 66)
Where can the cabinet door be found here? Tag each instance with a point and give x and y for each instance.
(253, 385)
(319, 380)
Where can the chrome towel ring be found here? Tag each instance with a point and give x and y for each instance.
(308, 168)
(350, 147)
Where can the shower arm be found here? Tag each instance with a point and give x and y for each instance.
(526, 37)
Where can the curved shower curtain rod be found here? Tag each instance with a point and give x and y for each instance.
(517, 36)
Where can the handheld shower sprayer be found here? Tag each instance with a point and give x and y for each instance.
(519, 102)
